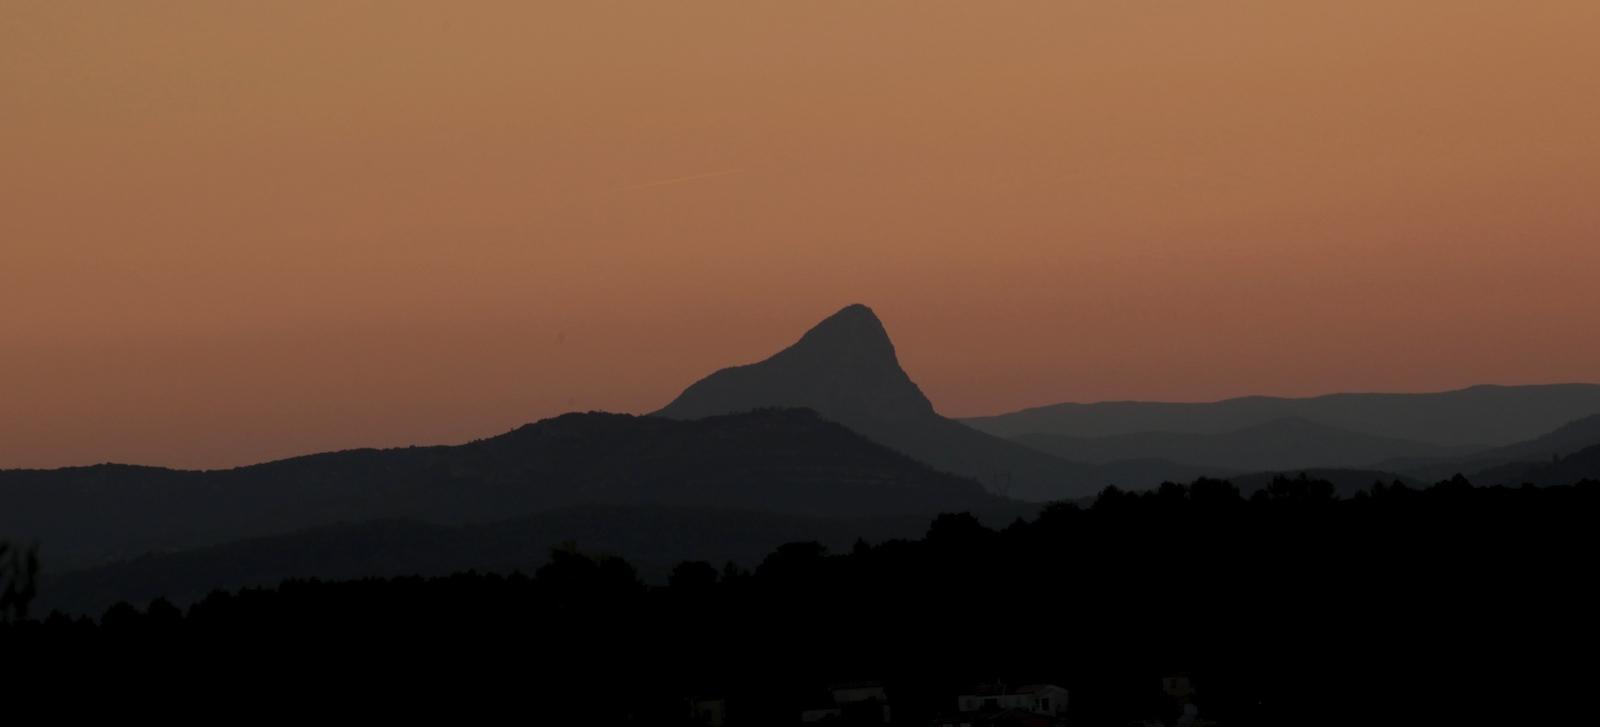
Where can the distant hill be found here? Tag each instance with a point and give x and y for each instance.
(1566, 456)
(1276, 445)
(781, 461)
(653, 539)
(1569, 438)
(1481, 415)
(1571, 469)
(845, 368)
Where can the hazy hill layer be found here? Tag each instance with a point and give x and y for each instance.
(1566, 456)
(1275, 445)
(1569, 438)
(1481, 415)
(1570, 469)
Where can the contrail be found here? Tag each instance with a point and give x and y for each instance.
(679, 180)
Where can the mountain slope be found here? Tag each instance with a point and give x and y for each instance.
(1276, 445)
(1568, 470)
(1569, 438)
(846, 369)
(1481, 415)
(782, 461)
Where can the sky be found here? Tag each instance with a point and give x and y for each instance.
(233, 231)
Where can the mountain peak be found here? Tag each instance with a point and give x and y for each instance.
(844, 367)
(853, 335)
(859, 310)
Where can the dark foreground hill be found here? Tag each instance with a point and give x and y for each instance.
(846, 369)
(789, 462)
(1450, 605)
(1477, 416)
(654, 539)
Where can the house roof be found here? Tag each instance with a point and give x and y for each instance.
(1000, 690)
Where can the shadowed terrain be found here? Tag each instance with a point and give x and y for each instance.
(1452, 604)
(1567, 439)
(846, 369)
(1476, 416)
(654, 539)
(788, 461)
(1275, 445)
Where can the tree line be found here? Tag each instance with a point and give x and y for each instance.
(1290, 606)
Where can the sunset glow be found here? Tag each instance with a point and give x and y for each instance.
(237, 231)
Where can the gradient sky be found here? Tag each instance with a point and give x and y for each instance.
(231, 231)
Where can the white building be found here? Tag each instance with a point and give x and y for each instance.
(1178, 686)
(858, 695)
(708, 712)
(1045, 699)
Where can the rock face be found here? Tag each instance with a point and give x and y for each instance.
(845, 368)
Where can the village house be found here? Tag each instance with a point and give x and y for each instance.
(998, 705)
(1178, 686)
(1045, 699)
(708, 712)
(852, 703)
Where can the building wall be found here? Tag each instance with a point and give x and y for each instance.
(1030, 702)
(859, 694)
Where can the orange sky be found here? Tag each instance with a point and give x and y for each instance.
(231, 231)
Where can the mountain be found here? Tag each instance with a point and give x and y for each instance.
(1568, 455)
(845, 368)
(1480, 415)
(653, 539)
(1569, 438)
(781, 461)
(1571, 469)
(1280, 444)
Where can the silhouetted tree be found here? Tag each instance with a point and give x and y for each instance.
(1427, 605)
(121, 617)
(693, 575)
(162, 615)
(958, 531)
(794, 561)
(19, 571)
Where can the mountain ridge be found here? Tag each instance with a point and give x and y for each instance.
(845, 368)
(1481, 415)
(785, 461)
(1278, 444)
(1567, 439)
